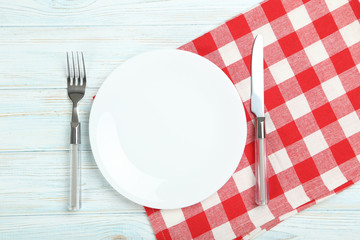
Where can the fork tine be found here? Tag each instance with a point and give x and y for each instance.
(84, 72)
(68, 69)
(78, 67)
(74, 71)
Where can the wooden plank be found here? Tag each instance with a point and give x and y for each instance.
(37, 56)
(37, 183)
(306, 225)
(39, 119)
(125, 12)
(76, 226)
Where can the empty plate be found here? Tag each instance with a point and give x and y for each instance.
(167, 129)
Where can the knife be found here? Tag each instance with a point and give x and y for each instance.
(257, 108)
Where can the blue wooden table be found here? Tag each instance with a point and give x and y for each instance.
(35, 115)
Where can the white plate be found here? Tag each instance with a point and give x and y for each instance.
(167, 129)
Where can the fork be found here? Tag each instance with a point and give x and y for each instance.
(76, 84)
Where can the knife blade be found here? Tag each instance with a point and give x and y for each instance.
(257, 107)
(257, 77)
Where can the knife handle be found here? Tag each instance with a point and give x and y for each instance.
(75, 178)
(261, 173)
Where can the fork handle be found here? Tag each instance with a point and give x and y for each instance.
(75, 178)
(75, 165)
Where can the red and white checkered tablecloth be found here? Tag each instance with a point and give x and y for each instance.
(312, 100)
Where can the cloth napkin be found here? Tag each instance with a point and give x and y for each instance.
(312, 100)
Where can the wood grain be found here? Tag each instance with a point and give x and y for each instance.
(37, 56)
(39, 119)
(42, 183)
(35, 114)
(124, 13)
(76, 226)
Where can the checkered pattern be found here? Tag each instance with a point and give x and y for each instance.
(312, 100)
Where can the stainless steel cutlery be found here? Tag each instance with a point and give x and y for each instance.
(257, 107)
(76, 84)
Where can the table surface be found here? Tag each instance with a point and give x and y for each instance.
(35, 115)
